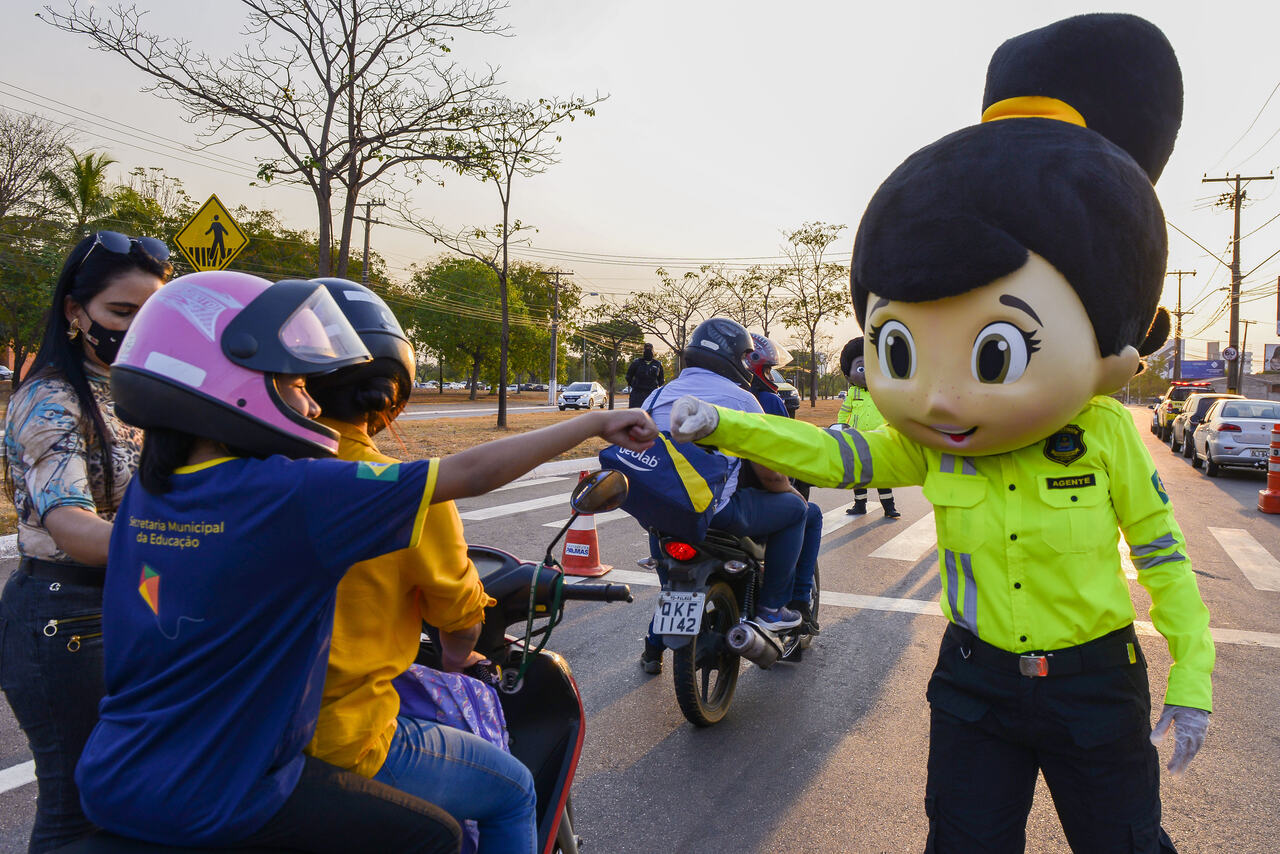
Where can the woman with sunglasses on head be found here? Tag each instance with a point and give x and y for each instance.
(68, 459)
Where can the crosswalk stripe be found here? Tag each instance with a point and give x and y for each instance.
(601, 518)
(1257, 564)
(18, 775)
(533, 481)
(515, 507)
(930, 608)
(9, 546)
(913, 543)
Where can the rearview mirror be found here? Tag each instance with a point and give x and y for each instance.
(599, 492)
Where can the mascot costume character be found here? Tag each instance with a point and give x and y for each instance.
(1008, 277)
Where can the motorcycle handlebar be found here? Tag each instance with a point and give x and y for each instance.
(598, 592)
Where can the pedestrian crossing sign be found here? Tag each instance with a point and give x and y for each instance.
(212, 238)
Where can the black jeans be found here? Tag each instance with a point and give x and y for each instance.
(52, 676)
(332, 811)
(991, 732)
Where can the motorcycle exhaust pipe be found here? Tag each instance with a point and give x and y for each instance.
(754, 644)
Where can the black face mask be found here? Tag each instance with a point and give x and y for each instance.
(105, 342)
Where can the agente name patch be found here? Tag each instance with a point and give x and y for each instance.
(1078, 482)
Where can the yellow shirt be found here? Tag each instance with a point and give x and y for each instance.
(378, 622)
(1028, 540)
(858, 410)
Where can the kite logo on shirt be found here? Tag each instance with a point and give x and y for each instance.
(385, 472)
(149, 588)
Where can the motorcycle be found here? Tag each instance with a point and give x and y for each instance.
(540, 700)
(706, 616)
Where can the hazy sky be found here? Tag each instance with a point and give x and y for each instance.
(727, 123)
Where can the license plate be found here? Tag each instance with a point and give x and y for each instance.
(1259, 452)
(678, 613)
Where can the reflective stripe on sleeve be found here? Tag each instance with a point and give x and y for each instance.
(1159, 544)
(1156, 560)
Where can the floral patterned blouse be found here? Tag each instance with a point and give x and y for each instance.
(55, 456)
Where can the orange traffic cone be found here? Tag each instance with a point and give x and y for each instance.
(1269, 498)
(581, 554)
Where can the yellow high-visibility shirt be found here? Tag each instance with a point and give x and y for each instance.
(859, 411)
(1028, 540)
(377, 625)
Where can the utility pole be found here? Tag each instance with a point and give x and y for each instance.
(1177, 329)
(555, 329)
(1243, 343)
(1237, 197)
(368, 220)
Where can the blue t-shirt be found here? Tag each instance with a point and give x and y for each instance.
(713, 388)
(217, 613)
(771, 403)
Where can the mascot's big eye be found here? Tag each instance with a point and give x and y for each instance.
(1000, 353)
(896, 349)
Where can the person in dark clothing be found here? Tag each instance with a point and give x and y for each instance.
(644, 375)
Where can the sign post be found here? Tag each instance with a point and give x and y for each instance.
(212, 239)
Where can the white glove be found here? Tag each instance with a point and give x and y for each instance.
(1189, 726)
(692, 419)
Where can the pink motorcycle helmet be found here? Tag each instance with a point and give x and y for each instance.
(203, 354)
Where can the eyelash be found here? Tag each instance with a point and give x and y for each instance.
(873, 335)
(1033, 343)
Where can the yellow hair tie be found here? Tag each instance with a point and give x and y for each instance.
(1033, 107)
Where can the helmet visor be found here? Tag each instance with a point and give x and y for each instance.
(319, 333)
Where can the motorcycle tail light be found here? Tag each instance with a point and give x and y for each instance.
(679, 550)
(1228, 428)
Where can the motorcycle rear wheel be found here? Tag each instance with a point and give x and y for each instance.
(704, 671)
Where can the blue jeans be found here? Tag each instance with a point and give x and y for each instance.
(53, 690)
(468, 778)
(807, 563)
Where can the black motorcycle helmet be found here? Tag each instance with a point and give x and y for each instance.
(381, 334)
(721, 345)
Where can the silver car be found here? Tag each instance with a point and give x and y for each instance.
(1235, 433)
(583, 395)
(1185, 422)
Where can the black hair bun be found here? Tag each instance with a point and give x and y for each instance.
(1118, 71)
(851, 351)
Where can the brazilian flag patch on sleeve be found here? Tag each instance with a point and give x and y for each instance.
(385, 472)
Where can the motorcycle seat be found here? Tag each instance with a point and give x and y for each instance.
(731, 546)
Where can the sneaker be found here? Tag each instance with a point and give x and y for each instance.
(651, 658)
(777, 619)
(857, 508)
(810, 621)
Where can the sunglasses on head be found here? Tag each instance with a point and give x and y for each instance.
(120, 244)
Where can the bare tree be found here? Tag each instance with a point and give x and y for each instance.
(775, 301)
(670, 312)
(512, 141)
(741, 295)
(610, 327)
(817, 287)
(30, 146)
(348, 92)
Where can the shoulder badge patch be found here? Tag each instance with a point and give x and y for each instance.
(1159, 486)
(1066, 446)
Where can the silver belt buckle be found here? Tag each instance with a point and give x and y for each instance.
(1033, 665)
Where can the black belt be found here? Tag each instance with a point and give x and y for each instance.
(1111, 650)
(63, 573)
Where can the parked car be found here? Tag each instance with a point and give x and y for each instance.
(1186, 421)
(583, 395)
(1171, 404)
(5, 373)
(790, 396)
(1235, 432)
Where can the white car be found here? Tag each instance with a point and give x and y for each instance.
(1235, 432)
(582, 396)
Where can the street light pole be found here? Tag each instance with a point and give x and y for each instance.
(555, 330)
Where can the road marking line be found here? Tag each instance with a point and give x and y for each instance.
(8, 546)
(1257, 564)
(913, 543)
(18, 775)
(930, 608)
(601, 518)
(516, 507)
(533, 481)
(1126, 561)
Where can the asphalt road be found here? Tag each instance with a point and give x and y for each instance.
(829, 755)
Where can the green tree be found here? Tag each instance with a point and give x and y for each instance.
(80, 191)
(31, 256)
(617, 339)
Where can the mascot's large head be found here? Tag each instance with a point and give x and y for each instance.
(1011, 270)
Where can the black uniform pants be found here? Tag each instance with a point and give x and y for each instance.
(992, 730)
